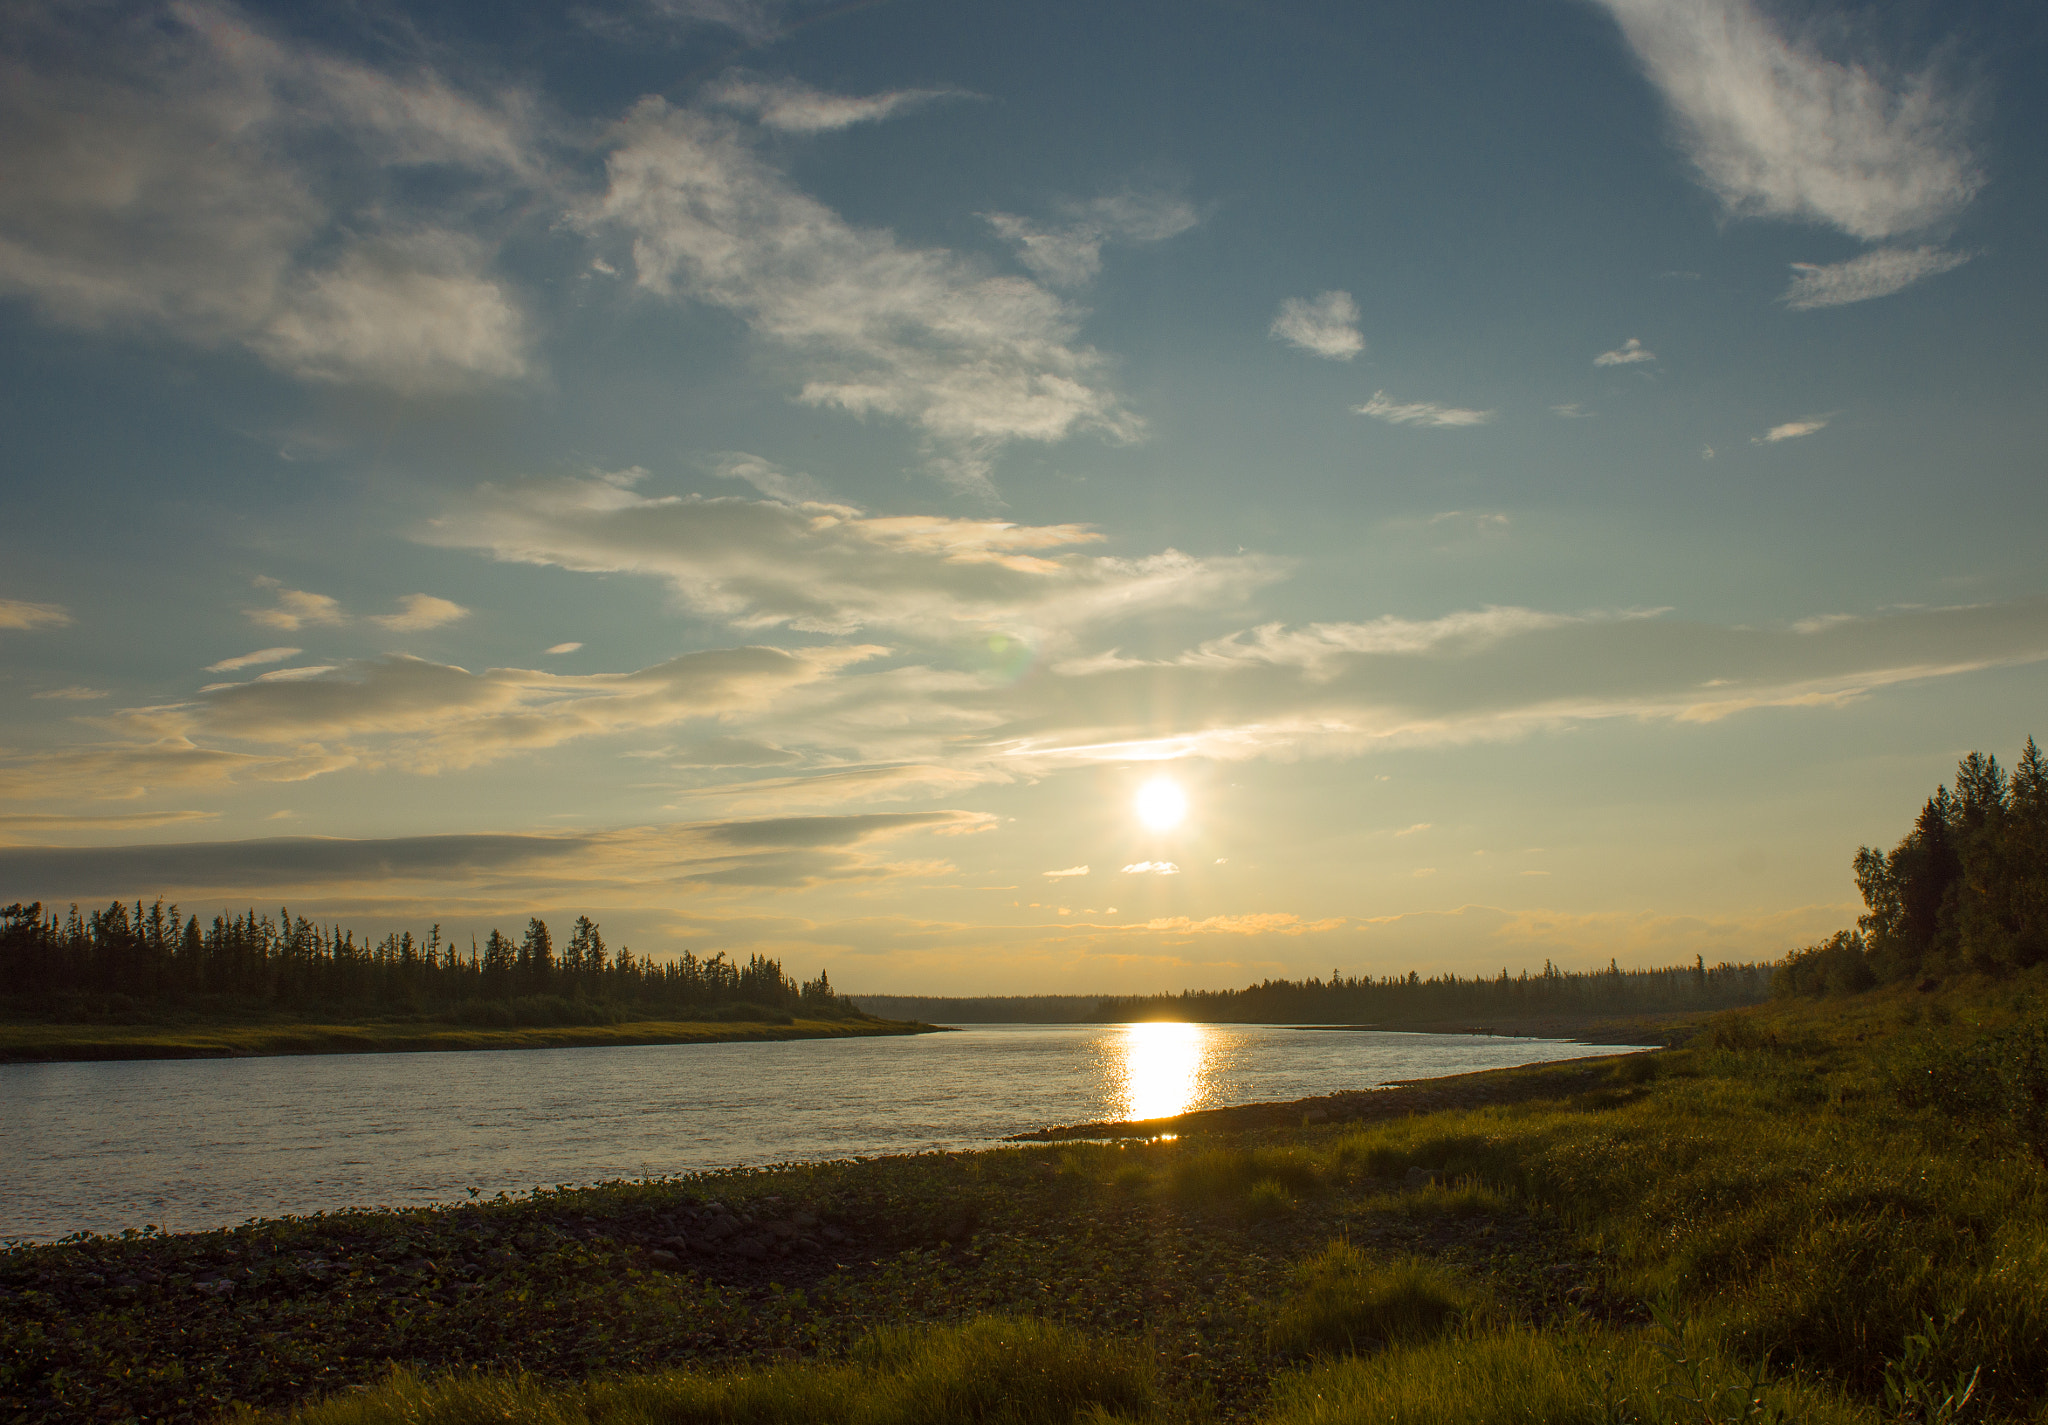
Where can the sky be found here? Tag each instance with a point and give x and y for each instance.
(1018, 499)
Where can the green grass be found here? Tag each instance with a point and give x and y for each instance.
(993, 1371)
(1346, 1301)
(1817, 1210)
(25, 1043)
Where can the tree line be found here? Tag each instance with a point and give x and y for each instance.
(1412, 999)
(132, 957)
(1965, 890)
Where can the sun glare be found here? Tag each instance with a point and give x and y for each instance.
(1163, 1069)
(1161, 804)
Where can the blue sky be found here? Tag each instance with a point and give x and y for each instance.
(1544, 481)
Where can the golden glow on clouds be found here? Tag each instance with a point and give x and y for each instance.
(1164, 1068)
(1161, 804)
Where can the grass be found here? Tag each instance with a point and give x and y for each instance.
(993, 1371)
(1818, 1211)
(34, 1043)
(1346, 1301)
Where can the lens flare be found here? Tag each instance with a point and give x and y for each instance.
(1161, 804)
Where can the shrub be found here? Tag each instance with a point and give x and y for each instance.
(1344, 1302)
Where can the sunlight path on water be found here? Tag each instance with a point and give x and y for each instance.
(197, 1143)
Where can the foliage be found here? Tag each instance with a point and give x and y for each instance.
(1965, 890)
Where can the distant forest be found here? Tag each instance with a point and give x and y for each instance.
(1411, 999)
(1966, 890)
(125, 960)
(982, 1009)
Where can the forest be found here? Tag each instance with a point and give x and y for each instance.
(1412, 999)
(1965, 890)
(129, 960)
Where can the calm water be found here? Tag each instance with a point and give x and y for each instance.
(191, 1144)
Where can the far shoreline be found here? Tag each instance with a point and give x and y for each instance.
(29, 1043)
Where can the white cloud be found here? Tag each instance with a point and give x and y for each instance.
(1571, 411)
(833, 569)
(285, 675)
(1152, 868)
(18, 613)
(418, 612)
(1791, 430)
(1778, 130)
(296, 609)
(194, 175)
(972, 360)
(564, 648)
(1070, 871)
(1629, 353)
(795, 107)
(1874, 274)
(1069, 254)
(253, 660)
(1417, 829)
(1383, 407)
(1326, 324)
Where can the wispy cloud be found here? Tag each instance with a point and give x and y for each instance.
(18, 613)
(1629, 353)
(796, 107)
(772, 852)
(1873, 274)
(197, 175)
(1069, 871)
(1151, 868)
(1383, 407)
(1256, 923)
(770, 479)
(295, 609)
(1068, 252)
(418, 612)
(833, 569)
(1791, 430)
(253, 660)
(1776, 129)
(1571, 411)
(971, 359)
(1325, 324)
(561, 648)
(74, 694)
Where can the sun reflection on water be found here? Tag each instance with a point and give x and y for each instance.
(1164, 1068)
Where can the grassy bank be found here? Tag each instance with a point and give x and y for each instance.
(1816, 1211)
(42, 1043)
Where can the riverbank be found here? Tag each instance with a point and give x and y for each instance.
(53, 1043)
(1768, 1218)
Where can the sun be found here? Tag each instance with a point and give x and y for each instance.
(1161, 804)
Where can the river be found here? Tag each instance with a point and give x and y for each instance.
(191, 1144)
